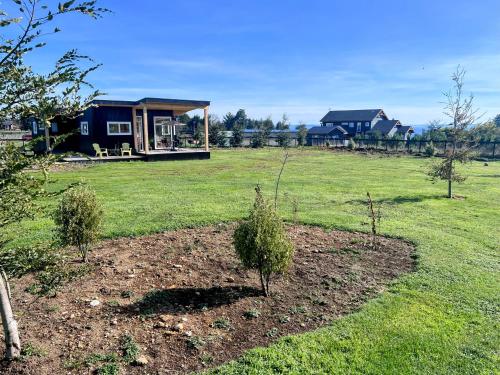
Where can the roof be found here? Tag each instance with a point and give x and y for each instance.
(325, 130)
(352, 115)
(385, 126)
(178, 102)
(405, 129)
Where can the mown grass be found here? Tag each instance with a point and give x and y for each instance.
(441, 319)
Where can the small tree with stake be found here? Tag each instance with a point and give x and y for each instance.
(261, 242)
(461, 110)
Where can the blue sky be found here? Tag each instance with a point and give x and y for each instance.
(296, 56)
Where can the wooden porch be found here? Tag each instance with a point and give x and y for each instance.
(153, 155)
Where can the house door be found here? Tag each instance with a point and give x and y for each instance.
(139, 133)
(163, 132)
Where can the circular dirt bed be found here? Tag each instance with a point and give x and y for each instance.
(184, 298)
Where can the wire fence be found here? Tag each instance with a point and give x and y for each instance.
(486, 149)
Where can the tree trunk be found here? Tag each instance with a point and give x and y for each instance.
(12, 342)
(262, 284)
(449, 188)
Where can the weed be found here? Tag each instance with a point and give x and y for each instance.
(297, 310)
(283, 319)
(251, 314)
(221, 323)
(206, 359)
(129, 348)
(195, 343)
(30, 350)
(126, 294)
(273, 332)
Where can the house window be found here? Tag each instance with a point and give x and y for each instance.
(367, 124)
(84, 128)
(345, 123)
(358, 127)
(35, 128)
(119, 128)
(53, 127)
(351, 124)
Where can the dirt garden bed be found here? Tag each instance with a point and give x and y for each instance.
(189, 305)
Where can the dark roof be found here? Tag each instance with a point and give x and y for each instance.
(405, 129)
(384, 126)
(325, 130)
(191, 103)
(352, 115)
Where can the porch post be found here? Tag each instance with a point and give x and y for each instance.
(205, 119)
(134, 128)
(145, 131)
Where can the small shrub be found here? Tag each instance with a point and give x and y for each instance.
(351, 145)
(251, 314)
(78, 219)
(430, 150)
(261, 242)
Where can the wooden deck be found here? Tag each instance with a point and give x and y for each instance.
(156, 155)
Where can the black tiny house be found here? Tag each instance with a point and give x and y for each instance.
(148, 125)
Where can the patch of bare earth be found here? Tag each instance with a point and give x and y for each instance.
(203, 307)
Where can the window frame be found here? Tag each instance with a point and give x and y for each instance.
(119, 123)
(84, 125)
(351, 124)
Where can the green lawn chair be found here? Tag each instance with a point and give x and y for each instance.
(100, 151)
(126, 149)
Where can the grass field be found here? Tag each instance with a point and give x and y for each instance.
(442, 319)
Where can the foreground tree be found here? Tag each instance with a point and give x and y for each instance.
(23, 92)
(261, 242)
(460, 109)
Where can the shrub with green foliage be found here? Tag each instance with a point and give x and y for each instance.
(430, 150)
(261, 242)
(78, 219)
(351, 145)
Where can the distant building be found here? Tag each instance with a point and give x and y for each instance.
(362, 122)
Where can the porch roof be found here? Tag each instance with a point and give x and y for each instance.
(178, 105)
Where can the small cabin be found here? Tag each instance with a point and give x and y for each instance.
(148, 125)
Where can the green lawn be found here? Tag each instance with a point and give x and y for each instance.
(441, 319)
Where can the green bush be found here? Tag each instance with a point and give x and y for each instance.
(261, 242)
(429, 150)
(351, 145)
(78, 219)
(19, 261)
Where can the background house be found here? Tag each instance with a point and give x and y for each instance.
(362, 122)
(354, 121)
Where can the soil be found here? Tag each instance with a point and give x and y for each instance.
(188, 303)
